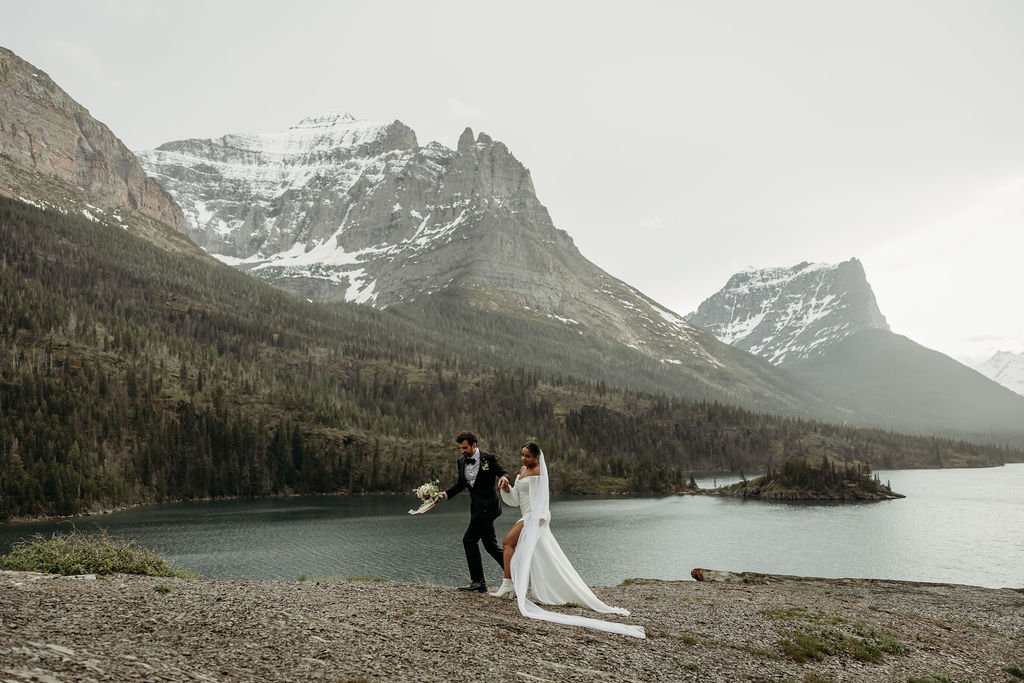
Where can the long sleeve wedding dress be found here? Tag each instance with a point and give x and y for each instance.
(540, 564)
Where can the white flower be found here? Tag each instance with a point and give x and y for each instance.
(427, 490)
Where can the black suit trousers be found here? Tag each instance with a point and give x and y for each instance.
(481, 529)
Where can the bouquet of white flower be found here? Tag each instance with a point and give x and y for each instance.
(427, 493)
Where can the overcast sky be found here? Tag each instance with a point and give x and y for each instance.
(677, 142)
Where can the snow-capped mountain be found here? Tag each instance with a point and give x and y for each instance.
(822, 324)
(790, 314)
(1005, 368)
(338, 208)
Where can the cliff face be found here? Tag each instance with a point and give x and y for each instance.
(339, 208)
(44, 131)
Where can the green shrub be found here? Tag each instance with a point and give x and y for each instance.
(79, 553)
(801, 647)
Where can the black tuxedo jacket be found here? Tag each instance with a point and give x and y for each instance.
(484, 494)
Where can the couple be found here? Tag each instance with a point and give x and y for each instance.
(531, 557)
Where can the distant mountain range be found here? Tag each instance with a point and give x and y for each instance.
(456, 242)
(821, 323)
(1005, 368)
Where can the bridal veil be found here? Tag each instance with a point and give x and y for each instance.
(522, 561)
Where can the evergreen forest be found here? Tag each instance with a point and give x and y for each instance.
(132, 375)
(800, 479)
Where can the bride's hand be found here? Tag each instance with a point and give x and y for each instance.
(503, 484)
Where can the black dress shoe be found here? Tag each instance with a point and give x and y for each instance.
(476, 587)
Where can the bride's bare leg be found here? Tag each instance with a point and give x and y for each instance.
(508, 546)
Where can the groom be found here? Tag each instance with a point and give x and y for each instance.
(479, 472)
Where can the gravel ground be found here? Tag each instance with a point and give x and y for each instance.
(132, 628)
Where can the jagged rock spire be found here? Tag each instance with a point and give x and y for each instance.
(465, 140)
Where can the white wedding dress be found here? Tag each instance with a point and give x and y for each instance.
(540, 564)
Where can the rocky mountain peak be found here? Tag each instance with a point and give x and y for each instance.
(465, 140)
(385, 224)
(45, 134)
(789, 314)
(1006, 368)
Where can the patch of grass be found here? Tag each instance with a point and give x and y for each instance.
(744, 647)
(787, 614)
(302, 577)
(801, 646)
(817, 635)
(571, 604)
(864, 651)
(627, 582)
(79, 553)
(161, 589)
(1014, 671)
(691, 666)
(379, 579)
(890, 644)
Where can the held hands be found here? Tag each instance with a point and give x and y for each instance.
(503, 484)
(440, 495)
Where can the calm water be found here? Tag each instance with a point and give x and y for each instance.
(960, 526)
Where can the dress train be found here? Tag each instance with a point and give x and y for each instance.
(539, 560)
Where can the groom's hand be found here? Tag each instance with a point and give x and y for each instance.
(503, 483)
(440, 495)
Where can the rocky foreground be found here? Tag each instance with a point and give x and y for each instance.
(754, 628)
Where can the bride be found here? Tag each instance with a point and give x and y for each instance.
(533, 558)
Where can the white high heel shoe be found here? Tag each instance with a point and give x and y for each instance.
(507, 590)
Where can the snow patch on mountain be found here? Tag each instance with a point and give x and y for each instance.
(789, 314)
(337, 208)
(1006, 368)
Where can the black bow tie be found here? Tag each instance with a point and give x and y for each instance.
(470, 461)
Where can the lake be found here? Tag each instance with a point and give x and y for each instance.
(955, 526)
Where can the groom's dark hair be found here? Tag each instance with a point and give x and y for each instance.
(466, 436)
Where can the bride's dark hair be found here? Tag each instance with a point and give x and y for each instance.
(532, 447)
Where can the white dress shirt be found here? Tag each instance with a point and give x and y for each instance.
(471, 471)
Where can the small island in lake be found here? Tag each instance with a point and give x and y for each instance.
(798, 479)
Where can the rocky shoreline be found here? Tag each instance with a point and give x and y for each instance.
(731, 627)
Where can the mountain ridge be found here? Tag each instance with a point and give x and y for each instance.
(339, 216)
(53, 152)
(133, 376)
(413, 223)
(821, 323)
(1006, 368)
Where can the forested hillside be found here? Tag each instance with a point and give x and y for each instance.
(130, 375)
